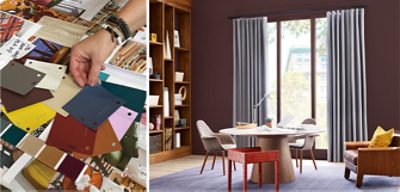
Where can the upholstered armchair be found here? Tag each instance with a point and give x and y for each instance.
(372, 161)
(214, 143)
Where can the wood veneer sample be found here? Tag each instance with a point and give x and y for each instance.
(13, 101)
(50, 156)
(31, 145)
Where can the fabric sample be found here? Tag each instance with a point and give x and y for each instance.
(54, 73)
(134, 98)
(50, 156)
(71, 167)
(31, 145)
(20, 79)
(121, 120)
(14, 101)
(65, 92)
(13, 135)
(31, 117)
(93, 105)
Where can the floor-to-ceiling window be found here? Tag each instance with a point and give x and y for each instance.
(297, 72)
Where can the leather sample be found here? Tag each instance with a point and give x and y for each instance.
(65, 92)
(13, 135)
(106, 140)
(134, 98)
(70, 135)
(20, 79)
(13, 101)
(31, 145)
(121, 120)
(54, 73)
(93, 105)
(71, 167)
(50, 156)
(31, 117)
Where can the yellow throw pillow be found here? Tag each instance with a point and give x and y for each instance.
(381, 138)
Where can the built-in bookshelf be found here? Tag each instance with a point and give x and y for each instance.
(166, 17)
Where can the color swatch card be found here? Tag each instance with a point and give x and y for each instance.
(31, 117)
(134, 98)
(71, 167)
(106, 141)
(70, 135)
(13, 135)
(121, 120)
(31, 145)
(20, 79)
(93, 105)
(50, 156)
(13, 101)
(54, 73)
(67, 90)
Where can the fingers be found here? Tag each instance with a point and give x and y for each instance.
(103, 67)
(95, 68)
(77, 69)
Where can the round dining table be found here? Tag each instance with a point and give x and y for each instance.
(272, 139)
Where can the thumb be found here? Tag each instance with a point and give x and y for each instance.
(94, 73)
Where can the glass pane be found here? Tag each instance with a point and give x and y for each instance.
(321, 82)
(296, 70)
(272, 73)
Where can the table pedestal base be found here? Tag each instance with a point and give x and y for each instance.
(275, 142)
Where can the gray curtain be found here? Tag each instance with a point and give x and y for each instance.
(347, 102)
(250, 66)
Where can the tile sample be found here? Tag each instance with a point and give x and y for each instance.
(31, 117)
(13, 135)
(20, 79)
(121, 120)
(14, 101)
(54, 73)
(134, 98)
(50, 156)
(31, 145)
(71, 167)
(70, 135)
(67, 90)
(93, 105)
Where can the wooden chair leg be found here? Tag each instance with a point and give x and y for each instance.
(204, 163)
(223, 162)
(346, 173)
(234, 165)
(277, 175)
(213, 163)
(229, 175)
(313, 159)
(260, 175)
(301, 161)
(359, 179)
(244, 177)
(297, 165)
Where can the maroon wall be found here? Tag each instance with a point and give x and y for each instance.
(212, 59)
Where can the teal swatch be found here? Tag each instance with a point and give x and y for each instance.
(103, 76)
(13, 135)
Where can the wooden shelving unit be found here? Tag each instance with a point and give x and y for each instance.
(167, 16)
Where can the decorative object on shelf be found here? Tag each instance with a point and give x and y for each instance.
(182, 123)
(243, 125)
(166, 102)
(176, 39)
(268, 122)
(168, 139)
(183, 91)
(153, 100)
(150, 61)
(177, 140)
(158, 120)
(178, 99)
(155, 143)
(153, 37)
(167, 47)
(176, 117)
(155, 75)
(151, 126)
(179, 76)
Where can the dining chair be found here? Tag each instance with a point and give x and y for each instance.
(306, 145)
(214, 143)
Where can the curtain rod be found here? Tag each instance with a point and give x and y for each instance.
(293, 12)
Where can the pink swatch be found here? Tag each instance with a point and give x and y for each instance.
(121, 120)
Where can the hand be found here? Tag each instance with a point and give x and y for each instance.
(88, 56)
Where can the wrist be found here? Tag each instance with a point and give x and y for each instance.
(104, 34)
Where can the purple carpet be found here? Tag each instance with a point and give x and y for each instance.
(328, 177)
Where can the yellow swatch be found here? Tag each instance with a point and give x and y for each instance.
(31, 117)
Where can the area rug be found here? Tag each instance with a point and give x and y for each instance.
(328, 177)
